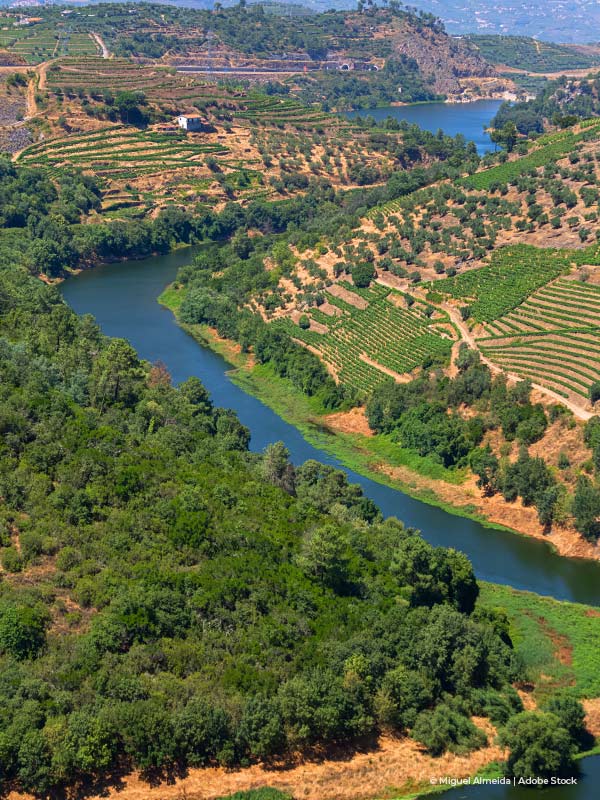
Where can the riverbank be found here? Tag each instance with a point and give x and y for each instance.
(558, 643)
(346, 436)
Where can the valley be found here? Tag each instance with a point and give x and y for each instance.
(295, 334)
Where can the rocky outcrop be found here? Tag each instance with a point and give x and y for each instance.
(442, 58)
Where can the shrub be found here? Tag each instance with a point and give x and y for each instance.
(445, 729)
(595, 392)
(11, 560)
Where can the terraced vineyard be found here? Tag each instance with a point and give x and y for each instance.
(272, 110)
(513, 274)
(547, 148)
(553, 338)
(363, 347)
(75, 75)
(38, 43)
(120, 153)
(162, 85)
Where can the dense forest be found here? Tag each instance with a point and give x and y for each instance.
(40, 216)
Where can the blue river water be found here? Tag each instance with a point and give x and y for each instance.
(470, 119)
(123, 296)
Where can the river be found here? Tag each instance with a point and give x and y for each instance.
(470, 119)
(122, 297)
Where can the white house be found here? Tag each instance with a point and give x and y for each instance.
(189, 123)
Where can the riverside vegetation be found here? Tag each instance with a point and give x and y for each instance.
(170, 600)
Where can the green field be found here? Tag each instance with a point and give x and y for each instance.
(42, 41)
(558, 642)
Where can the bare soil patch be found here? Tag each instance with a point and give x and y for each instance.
(495, 509)
(563, 650)
(592, 715)
(353, 421)
(347, 296)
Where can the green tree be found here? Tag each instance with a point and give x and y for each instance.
(34, 763)
(586, 508)
(325, 556)
(402, 695)
(571, 714)
(506, 136)
(261, 733)
(117, 375)
(277, 468)
(539, 746)
(362, 274)
(595, 392)
(22, 630)
(446, 729)
(203, 732)
(487, 468)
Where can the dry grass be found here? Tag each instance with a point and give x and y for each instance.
(391, 767)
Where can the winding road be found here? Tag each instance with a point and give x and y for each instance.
(467, 336)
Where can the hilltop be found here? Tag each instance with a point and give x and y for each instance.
(570, 21)
(393, 55)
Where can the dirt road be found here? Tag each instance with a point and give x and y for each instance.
(100, 42)
(467, 336)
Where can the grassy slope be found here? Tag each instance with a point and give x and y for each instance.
(559, 642)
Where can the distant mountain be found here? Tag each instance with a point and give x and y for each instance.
(569, 21)
(565, 21)
(550, 20)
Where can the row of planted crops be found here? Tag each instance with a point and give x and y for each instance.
(545, 150)
(115, 149)
(40, 42)
(552, 338)
(364, 346)
(162, 84)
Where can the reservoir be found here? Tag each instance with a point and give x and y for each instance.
(469, 119)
